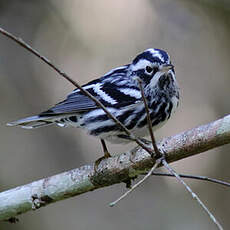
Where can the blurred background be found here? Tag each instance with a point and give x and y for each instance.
(86, 39)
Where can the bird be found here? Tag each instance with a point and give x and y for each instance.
(118, 90)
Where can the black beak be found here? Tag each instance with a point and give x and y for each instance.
(166, 67)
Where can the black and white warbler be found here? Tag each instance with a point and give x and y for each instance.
(119, 91)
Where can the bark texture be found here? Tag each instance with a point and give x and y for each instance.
(112, 170)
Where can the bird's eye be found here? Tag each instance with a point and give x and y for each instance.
(149, 69)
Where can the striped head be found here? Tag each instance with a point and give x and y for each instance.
(151, 66)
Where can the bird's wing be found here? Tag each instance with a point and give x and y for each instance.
(109, 94)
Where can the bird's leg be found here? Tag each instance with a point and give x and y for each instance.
(105, 150)
(106, 155)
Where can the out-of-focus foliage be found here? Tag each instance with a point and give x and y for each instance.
(86, 39)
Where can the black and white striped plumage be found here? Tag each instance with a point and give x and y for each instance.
(118, 90)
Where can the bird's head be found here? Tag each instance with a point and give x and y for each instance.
(153, 66)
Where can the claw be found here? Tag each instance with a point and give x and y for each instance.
(98, 161)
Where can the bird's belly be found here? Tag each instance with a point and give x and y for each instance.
(114, 138)
(144, 131)
(106, 129)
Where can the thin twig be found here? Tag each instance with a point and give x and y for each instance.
(148, 118)
(203, 178)
(85, 92)
(158, 161)
(166, 165)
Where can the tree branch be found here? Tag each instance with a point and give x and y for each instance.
(112, 170)
(194, 177)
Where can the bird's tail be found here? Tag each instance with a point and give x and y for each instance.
(32, 122)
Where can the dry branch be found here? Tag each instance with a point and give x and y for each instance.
(112, 170)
